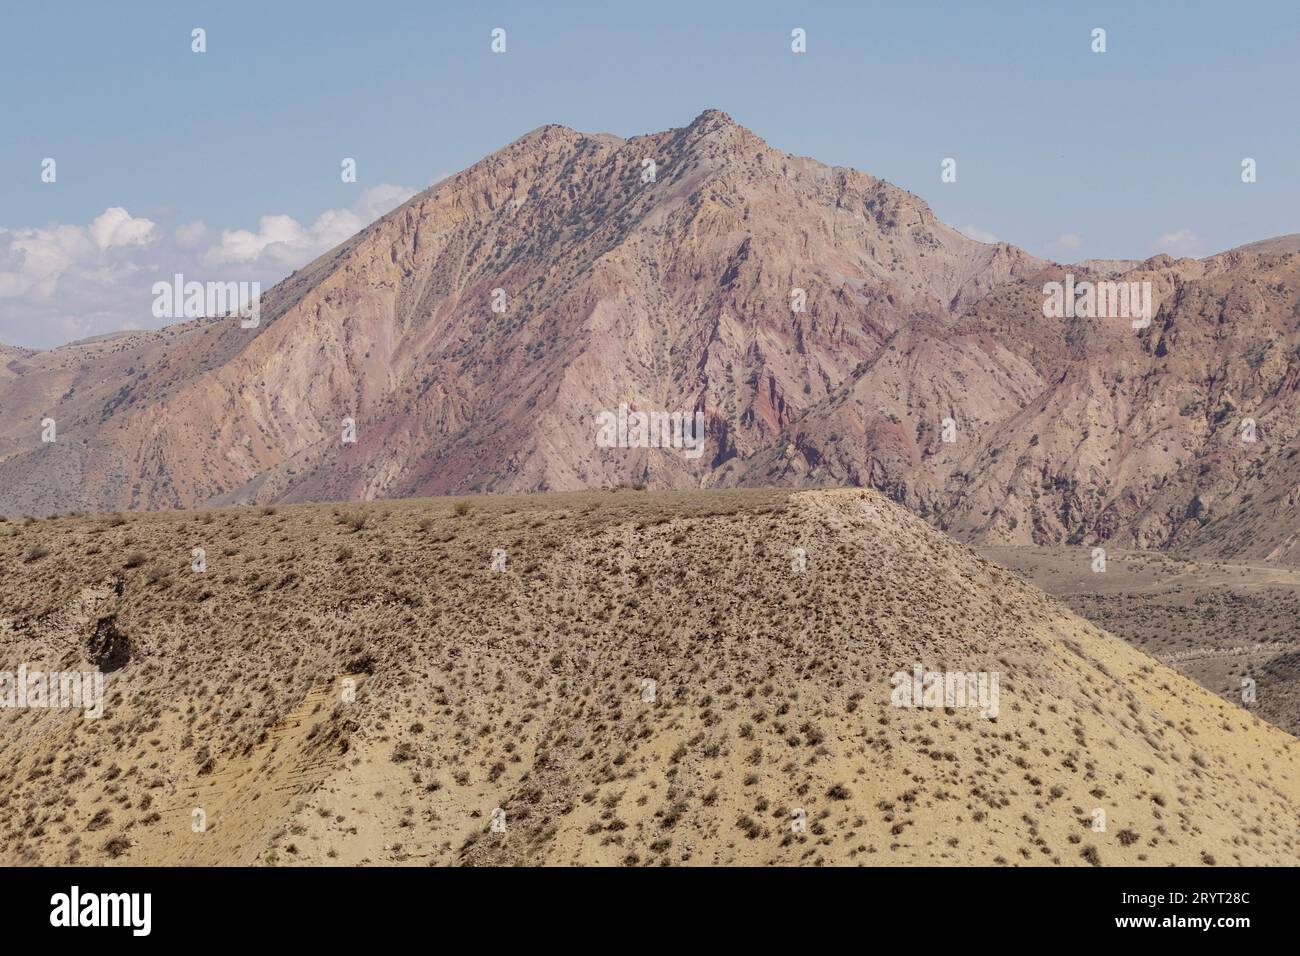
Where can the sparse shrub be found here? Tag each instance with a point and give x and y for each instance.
(35, 553)
(356, 521)
(134, 560)
(99, 820)
(461, 508)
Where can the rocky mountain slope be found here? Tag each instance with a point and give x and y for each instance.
(826, 325)
(356, 684)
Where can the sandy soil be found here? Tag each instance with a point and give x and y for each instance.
(356, 685)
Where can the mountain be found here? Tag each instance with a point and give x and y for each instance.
(1079, 431)
(648, 679)
(675, 294)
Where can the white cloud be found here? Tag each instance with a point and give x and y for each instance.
(191, 235)
(976, 233)
(1184, 242)
(63, 282)
(1070, 242)
(282, 243)
(116, 227)
(240, 245)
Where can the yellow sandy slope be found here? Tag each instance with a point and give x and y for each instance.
(522, 690)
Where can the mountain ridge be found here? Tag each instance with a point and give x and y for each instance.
(676, 294)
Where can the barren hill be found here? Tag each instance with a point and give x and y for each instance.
(823, 322)
(524, 690)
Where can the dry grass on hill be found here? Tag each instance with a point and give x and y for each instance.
(522, 690)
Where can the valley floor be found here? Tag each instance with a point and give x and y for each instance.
(1221, 623)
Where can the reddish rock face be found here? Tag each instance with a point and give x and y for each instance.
(824, 322)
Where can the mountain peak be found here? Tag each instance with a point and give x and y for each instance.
(817, 316)
(714, 117)
(716, 131)
(715, 123)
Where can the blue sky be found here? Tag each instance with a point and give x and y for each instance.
(1068, 153)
